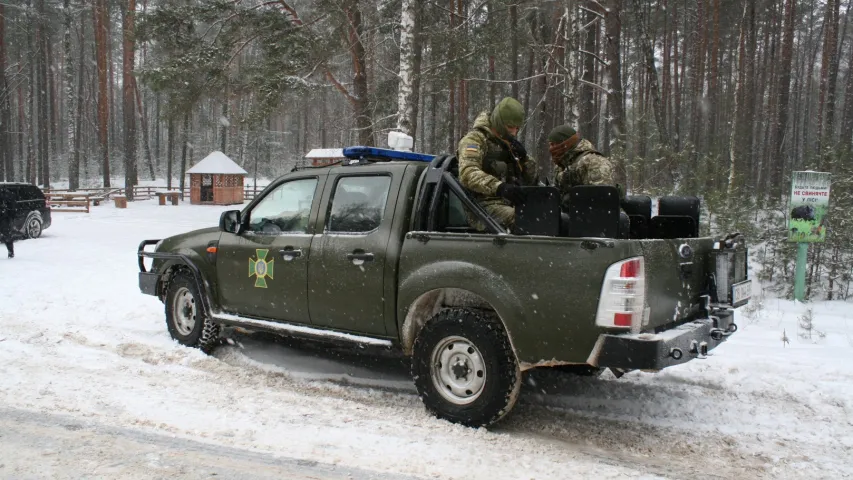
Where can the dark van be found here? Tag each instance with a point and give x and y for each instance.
(31, 212)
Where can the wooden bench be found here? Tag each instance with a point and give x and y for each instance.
(68, 202)
(172, 196)
(97, 199)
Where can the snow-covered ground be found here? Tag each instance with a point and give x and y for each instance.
(85, 360)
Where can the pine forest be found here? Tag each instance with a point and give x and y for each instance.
(722, 99)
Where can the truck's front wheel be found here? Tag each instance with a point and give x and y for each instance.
(185, 316)
(464, 368)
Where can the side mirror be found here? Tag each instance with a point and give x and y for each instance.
(229, 221)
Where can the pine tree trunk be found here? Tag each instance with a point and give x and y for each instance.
(42, 95)
(847, 119)
(157, 129)
(143, 118)
(783, 144)
(714, 86)
(224, 122)
(830, 31)
(513, 28)
(22, 123)
(665, 72)
(615, 98)
(832, 80)
(587, 122)
(405, 95)
(32, 137)
(363, 120)
(748, 148)
(100, 22)
(129, 99)
(185, 144)
(70, 98)
(677, 78)
(698, 76)
(170, 152)
(74, 161)
(739, 126)
(6, 161)
(417, 60)
(52, 108)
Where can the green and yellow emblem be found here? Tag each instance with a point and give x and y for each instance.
(261, 268)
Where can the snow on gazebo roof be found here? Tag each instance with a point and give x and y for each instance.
(217, 162)
(326, 153)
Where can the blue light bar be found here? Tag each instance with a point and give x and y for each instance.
(384, 154)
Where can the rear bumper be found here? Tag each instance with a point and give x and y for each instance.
(655, 351)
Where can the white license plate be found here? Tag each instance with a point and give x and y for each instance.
(741, 293)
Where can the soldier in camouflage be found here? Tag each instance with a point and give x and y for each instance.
(493, 165)
(576, 160)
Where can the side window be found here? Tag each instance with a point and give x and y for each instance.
(31, 193)
(285, 209)
(358, 204)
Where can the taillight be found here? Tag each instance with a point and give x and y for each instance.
(623, 295)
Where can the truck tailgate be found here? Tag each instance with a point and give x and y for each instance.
(676, 277)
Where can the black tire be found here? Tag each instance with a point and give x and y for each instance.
(183, 301)
(33, 226)
(484, 335)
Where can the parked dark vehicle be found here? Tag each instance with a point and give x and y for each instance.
(378, 251)
(31, 211)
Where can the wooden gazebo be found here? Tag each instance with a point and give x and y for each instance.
(216, 180)
(325, 156)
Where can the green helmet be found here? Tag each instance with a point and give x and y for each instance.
(507, 113)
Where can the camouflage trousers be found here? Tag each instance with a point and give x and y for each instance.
(504, 214)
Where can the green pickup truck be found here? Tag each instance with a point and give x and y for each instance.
(377, 251)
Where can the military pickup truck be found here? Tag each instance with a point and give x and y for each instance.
(377, 251)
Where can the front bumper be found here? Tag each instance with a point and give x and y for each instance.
(655, 351)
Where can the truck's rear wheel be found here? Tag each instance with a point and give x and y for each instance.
(185, 316)
(464, 368)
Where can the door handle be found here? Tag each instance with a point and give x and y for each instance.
(290, 253)
(359, 257)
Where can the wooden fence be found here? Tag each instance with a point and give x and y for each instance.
(79, 200)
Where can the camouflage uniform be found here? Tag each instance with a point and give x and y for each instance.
(484, 163)
(582, 165)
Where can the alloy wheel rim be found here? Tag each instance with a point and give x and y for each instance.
(33, 228)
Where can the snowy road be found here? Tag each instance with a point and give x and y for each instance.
(60, 446)
(80, 346)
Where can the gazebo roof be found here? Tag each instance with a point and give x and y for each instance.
(217, 163)
(325, 153)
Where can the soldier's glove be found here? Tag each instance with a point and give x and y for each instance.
(513, 193)
(517, 149)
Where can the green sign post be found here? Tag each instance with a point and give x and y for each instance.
(807, 219)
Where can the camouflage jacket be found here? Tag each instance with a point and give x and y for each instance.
(484, 163)
(583, 165)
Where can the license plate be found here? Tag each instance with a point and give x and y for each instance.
(741, 293)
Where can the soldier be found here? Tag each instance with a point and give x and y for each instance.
(576, 160)
(493, 164)
(578, 163)
(7, 214)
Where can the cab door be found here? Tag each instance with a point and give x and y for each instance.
(263, 270)
(347, 268)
